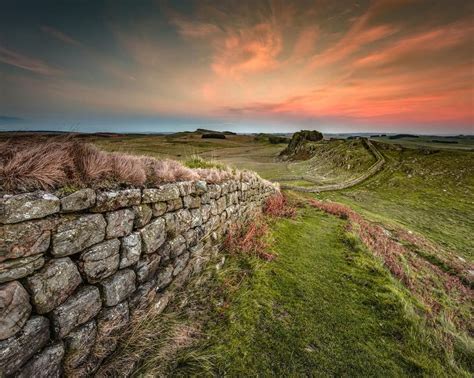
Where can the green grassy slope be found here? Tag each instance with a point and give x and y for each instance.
(324, 307)
(431, 193)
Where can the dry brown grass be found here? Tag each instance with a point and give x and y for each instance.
(49, 163)
(249, 238)
(277, 206)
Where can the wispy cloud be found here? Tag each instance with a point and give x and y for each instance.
(35, 65)
(60, 35)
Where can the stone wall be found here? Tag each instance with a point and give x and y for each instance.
(74, 270)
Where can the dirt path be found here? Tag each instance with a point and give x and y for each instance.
(376, 167)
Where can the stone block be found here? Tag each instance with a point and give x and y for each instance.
(177, 246)
(22, 207)
(196, 218)
(142, 297)
(159, 208)
(18, 349)
(161, 194)
(111, 322)
(18, 268)
(192, 202)
(25, 239)
(165, 276)
(147, 267)
(200, 187)
(15, 309)
(143, 214)
(117, 287)
(153, 235)
(75, 234)
(175, 204)
(46, 364)
(79, 200)
(214, 191)
(183, 220)
(53, 284)
(180, 263)
(78, 344)
(116, 199)
(101, 260)
(205, 212)
(78, 309)
(186, 188)
(130, 250)
(119, 223)
(221, 205)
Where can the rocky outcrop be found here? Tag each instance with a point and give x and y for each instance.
(74, 270)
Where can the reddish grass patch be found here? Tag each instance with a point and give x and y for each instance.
(250, 238)
(277, 206)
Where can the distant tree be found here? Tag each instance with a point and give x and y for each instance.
(213, 136)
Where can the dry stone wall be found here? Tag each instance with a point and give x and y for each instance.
(74, 270)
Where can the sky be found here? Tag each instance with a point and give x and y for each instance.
(245, 66)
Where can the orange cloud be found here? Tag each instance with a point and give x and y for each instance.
(60, 35)
(248, 51)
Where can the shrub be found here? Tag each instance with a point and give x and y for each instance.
(197, 161)
(277, 206)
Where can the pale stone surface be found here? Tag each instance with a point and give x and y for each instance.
(183, 219)
(177, 246)
(25, 239)
(142, 297)
(46, 364)
(192, 202)
(174, 204)
(79, 344)
(78, 309)
(53, 284)
(143, 214)
(130, 250)
(113, 200)
(160, 194)
(165, 277)
(110, 324)
(21, 207)
(159, 208)
(147, 267)
(180, 263)
(153, 235)
(214, 191)
(221, 205)
(18, 268)
(196, 218)
(101, 260)
(15, 308)
(118, 287)
(200, 187)
(119, 223)
(75, 234)
(18, 349)
(79, 200)
(186, 188)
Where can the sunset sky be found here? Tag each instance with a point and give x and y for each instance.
(334, 66)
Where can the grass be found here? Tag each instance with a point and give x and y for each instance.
(325, 306)
(427, 193)
(37, 162)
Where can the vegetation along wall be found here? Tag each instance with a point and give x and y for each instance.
(74, 270)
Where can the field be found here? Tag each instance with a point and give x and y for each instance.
(330, 303)
(326, 304)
